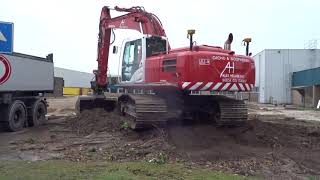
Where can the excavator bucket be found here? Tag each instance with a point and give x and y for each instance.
(92, 102)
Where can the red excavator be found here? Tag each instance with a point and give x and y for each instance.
(162, 84)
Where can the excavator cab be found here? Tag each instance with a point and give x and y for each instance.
(135, 53)
(133, 56)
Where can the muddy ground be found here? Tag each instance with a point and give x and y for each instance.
(273, 144)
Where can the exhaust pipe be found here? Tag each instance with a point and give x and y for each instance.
(227, 44)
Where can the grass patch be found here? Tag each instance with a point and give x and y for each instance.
(55, 169)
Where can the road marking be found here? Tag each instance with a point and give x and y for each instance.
(2, 38)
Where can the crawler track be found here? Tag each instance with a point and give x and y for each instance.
(152, 110)
(232, 113)
(144, 110)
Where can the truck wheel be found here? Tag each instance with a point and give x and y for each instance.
(38, 113)
(16, 116)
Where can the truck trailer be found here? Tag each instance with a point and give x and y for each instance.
(24, 80)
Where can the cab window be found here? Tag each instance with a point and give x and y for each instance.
(131, 59)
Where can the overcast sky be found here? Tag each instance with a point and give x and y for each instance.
(69, 28)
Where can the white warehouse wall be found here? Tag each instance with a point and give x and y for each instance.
(74, 78)
(274, 68)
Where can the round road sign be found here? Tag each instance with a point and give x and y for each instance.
(5, 69)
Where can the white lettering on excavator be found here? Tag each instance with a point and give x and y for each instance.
(230, 67)
(226, 58)
(122, 24)
(204, 61)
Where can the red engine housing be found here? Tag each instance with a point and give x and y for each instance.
(205, 68)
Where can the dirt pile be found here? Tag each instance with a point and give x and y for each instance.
(95, 120)
(106, 136)
(286, 133)
(269, 146)
(121, 147)
(278, 149)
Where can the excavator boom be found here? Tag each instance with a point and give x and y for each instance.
(136, 19)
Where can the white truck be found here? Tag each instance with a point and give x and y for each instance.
(24, 80)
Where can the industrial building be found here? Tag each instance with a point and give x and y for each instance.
(74, 82)
(288, 76)
(74, 78)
